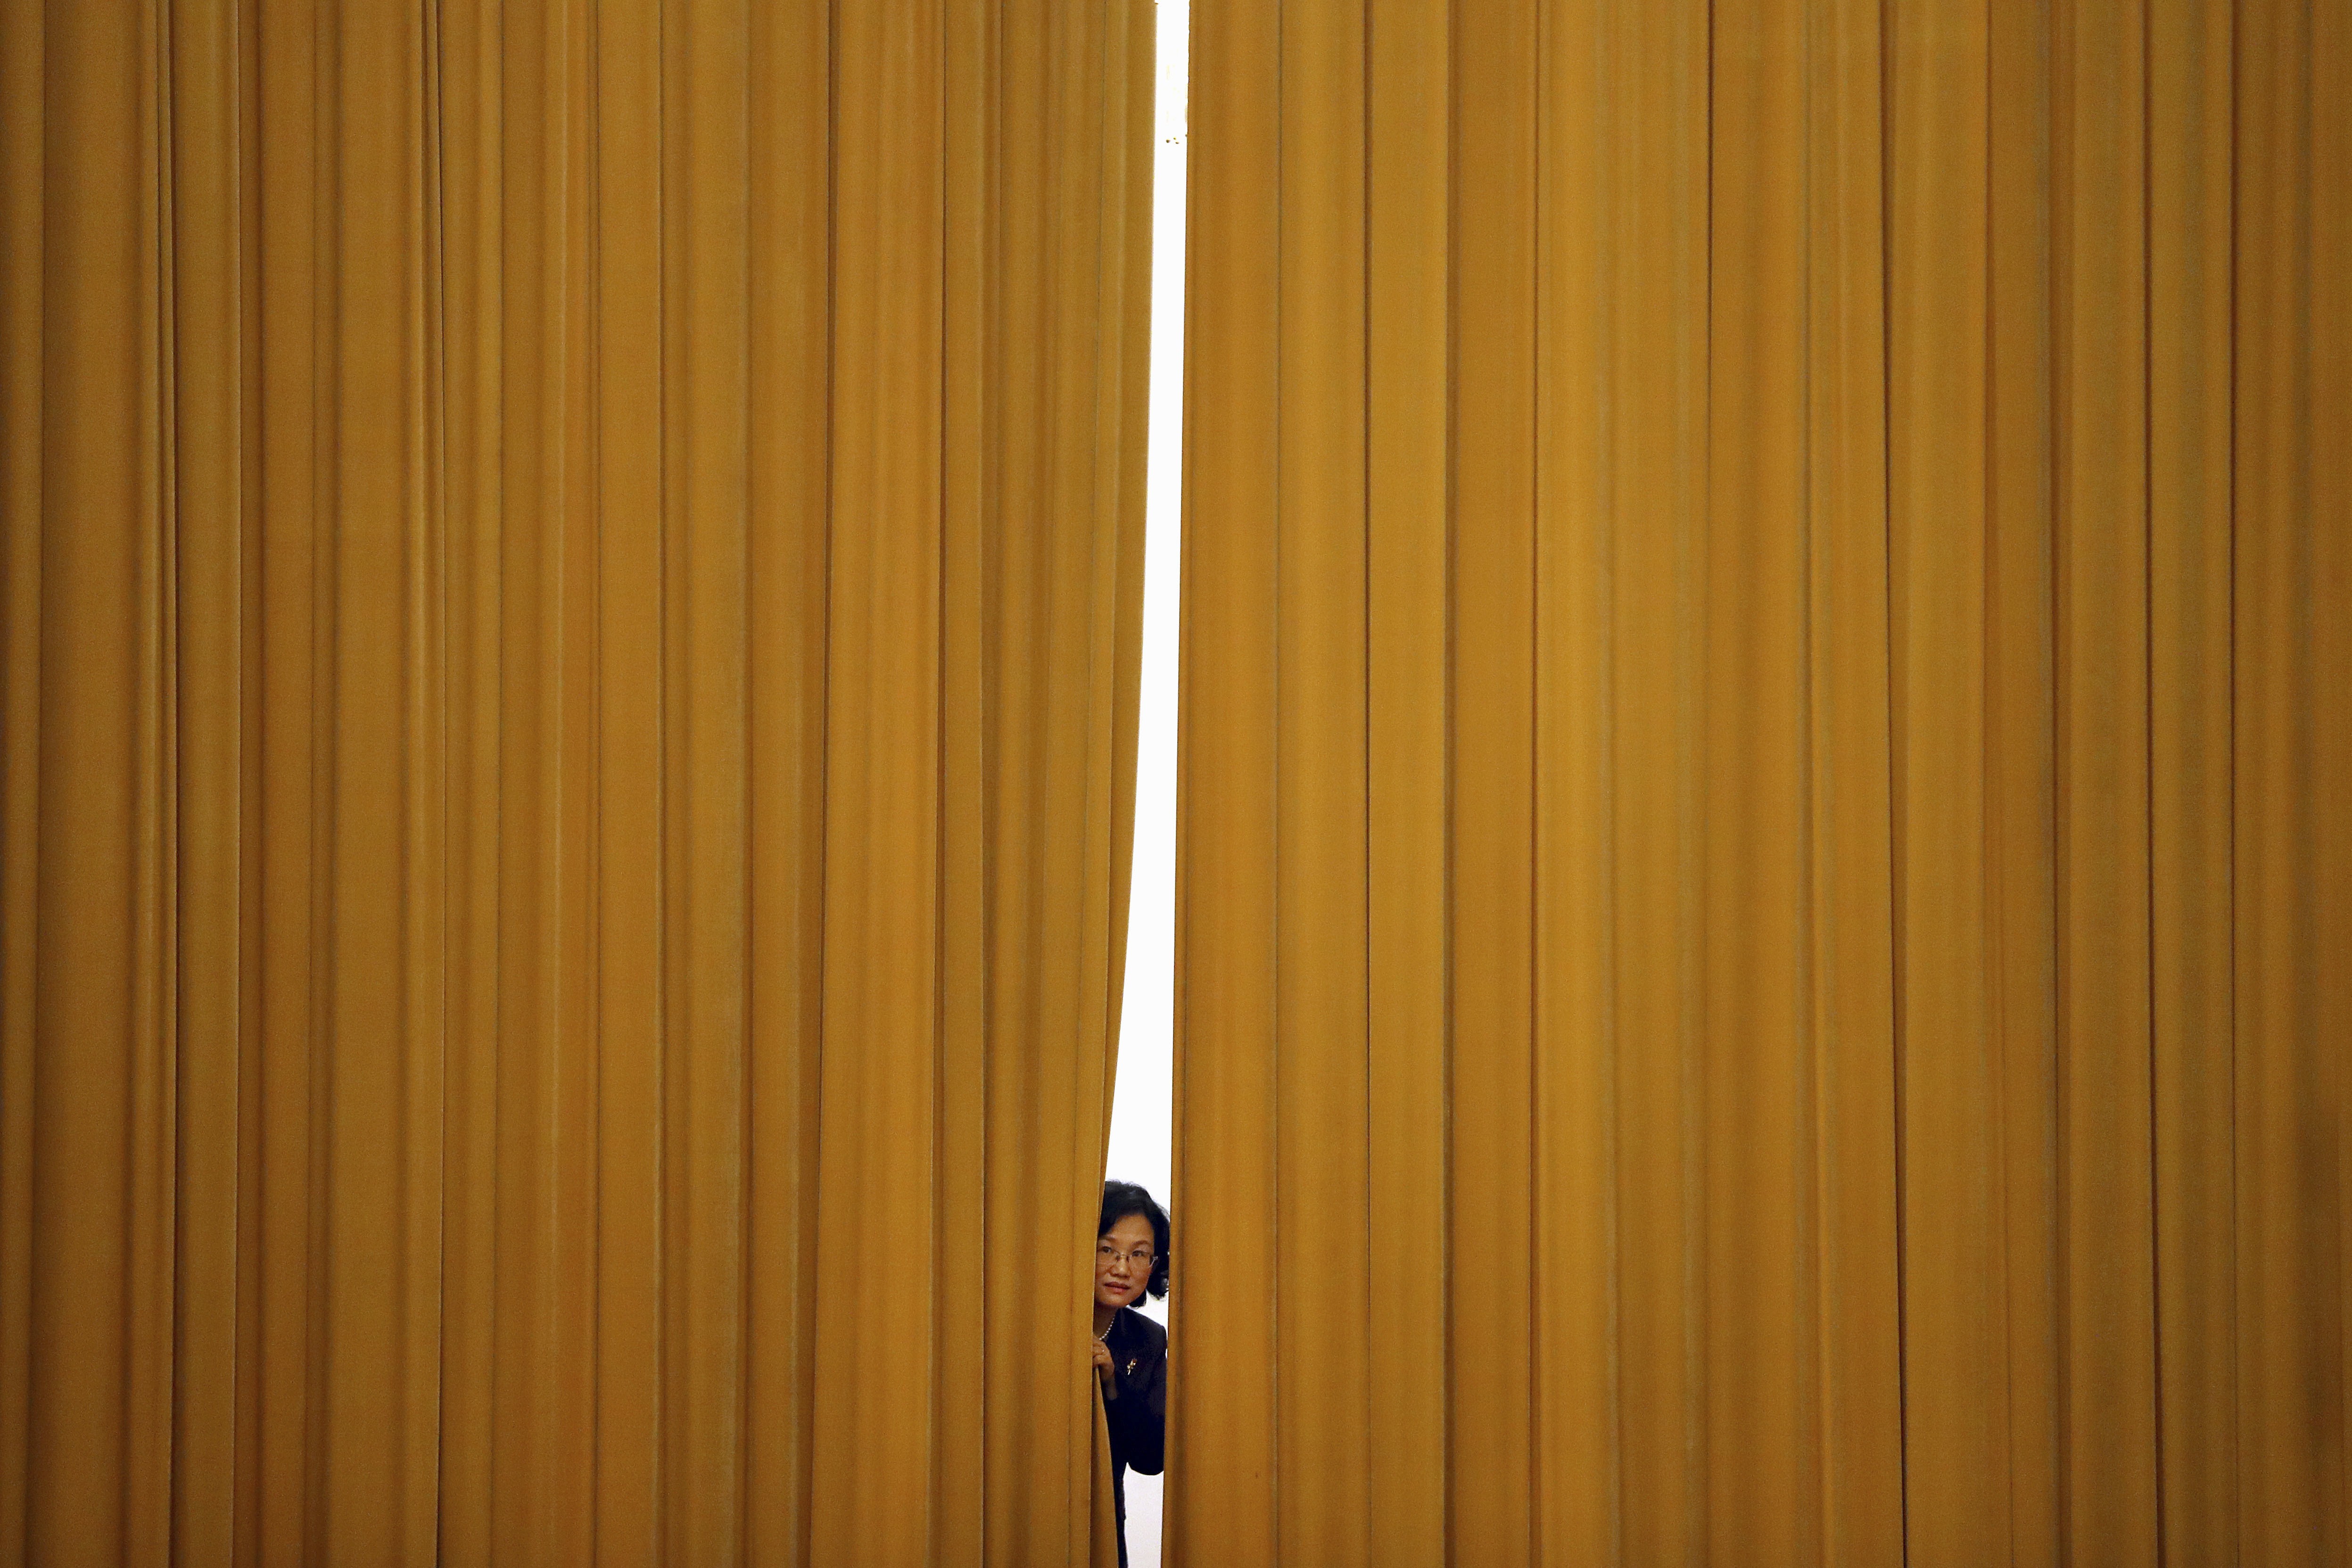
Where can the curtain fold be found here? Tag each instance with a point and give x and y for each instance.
(571, 606)
(1762, 926)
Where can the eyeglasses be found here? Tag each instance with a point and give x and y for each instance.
(1140, 1259)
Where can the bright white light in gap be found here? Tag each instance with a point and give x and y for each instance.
(1140, 1123)
(1144, 1096)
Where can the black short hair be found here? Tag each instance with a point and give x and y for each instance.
(1121, 1199)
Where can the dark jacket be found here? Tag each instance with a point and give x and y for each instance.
(1138, 1415)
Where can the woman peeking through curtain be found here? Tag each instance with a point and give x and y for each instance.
(1131, 1350)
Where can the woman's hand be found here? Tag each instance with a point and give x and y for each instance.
(1106, 1369)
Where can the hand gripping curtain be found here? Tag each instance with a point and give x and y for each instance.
(570, 620)
(1766, 915)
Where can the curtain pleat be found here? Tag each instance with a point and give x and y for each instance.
(1761, 922)
(571, 610)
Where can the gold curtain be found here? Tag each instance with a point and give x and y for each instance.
(572, 576)
(1766, 912)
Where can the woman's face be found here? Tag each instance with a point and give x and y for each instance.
(1123, 1261)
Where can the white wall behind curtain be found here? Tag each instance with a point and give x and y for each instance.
(1140, 1123)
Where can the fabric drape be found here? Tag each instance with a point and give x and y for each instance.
(571, 586)
(1766, 821)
